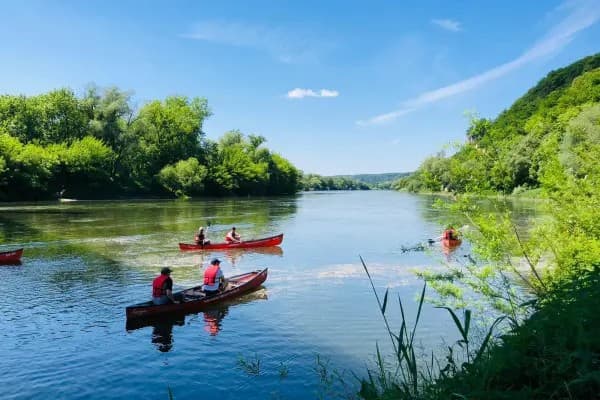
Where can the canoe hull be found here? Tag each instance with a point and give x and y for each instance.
(11, 257)
(237, 285)
(266, 242)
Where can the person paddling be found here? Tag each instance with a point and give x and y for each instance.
(232, 236)
(214, 281)
(162, 288)
(200, 237)
(449, 234)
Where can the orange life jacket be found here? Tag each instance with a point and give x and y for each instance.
(157, 285)
(210, 275)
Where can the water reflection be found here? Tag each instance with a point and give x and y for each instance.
(162, 334)
(212, 319)
(234, 256)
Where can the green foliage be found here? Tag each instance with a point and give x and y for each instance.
(376, 181)
(54, 117)
(510, 152)
(57, 144)
(184, 178)
(165, 132)
(283, 176)
(311, 182)
(251, 367)
(554, 354)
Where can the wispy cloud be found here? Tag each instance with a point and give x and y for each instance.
(299, 93)
(582, 15)
(447, 24)
(283, 45)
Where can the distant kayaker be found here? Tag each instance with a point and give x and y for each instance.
(200, 237)
(449, 234)
(162, 288)
(232, 236)
(213, 278)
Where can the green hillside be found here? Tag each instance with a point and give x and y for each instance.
(513, 152)
(375, 179)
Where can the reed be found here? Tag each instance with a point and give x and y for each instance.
(553, 354)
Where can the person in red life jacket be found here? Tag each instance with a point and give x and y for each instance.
(200, 237)
(449, 234)
(232, 236)
(162, 288)
(214, 280)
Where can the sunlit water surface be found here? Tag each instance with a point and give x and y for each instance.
(63, 310)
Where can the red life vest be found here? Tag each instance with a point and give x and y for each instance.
(157, 285)
(210, 275)
(448, 235)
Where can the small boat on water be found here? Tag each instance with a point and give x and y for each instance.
(194, 299)
(451, 243)
(265, 242)
(11, 257)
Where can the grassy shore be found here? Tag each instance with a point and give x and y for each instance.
(554, 354)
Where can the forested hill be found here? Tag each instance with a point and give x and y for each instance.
(543, 129)
(375, 180)
(97, 146)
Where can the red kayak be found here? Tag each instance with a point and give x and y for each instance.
(266, 242)
(194, 299)
(11, 257)
(451, 243)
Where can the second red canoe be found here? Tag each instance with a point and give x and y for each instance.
(265, 242)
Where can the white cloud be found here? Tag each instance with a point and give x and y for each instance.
(583, 14)
(447, 24)
(299, 93)
(329, 93)
(282, 45)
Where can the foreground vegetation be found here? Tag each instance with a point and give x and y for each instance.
(542, 284)
(97, 145)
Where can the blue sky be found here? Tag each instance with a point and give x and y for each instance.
(335, 86)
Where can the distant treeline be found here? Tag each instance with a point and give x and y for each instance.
(377, 181)
(312, 182)
(97, 145)
(514, 152)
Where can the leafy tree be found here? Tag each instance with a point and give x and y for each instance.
(164, 133)
(184, 178)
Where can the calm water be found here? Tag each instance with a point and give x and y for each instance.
(63, 309)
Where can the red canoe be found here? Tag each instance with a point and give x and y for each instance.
(266, 242)
(11, 257)
(193, 299)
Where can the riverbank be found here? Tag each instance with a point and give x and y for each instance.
(555, 353)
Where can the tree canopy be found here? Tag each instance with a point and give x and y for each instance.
(97, 145)
(511, 153)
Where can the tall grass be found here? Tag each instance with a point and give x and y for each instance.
(554, 354)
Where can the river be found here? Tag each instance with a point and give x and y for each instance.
(63, 309)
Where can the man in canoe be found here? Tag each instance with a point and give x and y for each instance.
(232, 236)
(162, 288)
(214, 281)
(200, 237)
